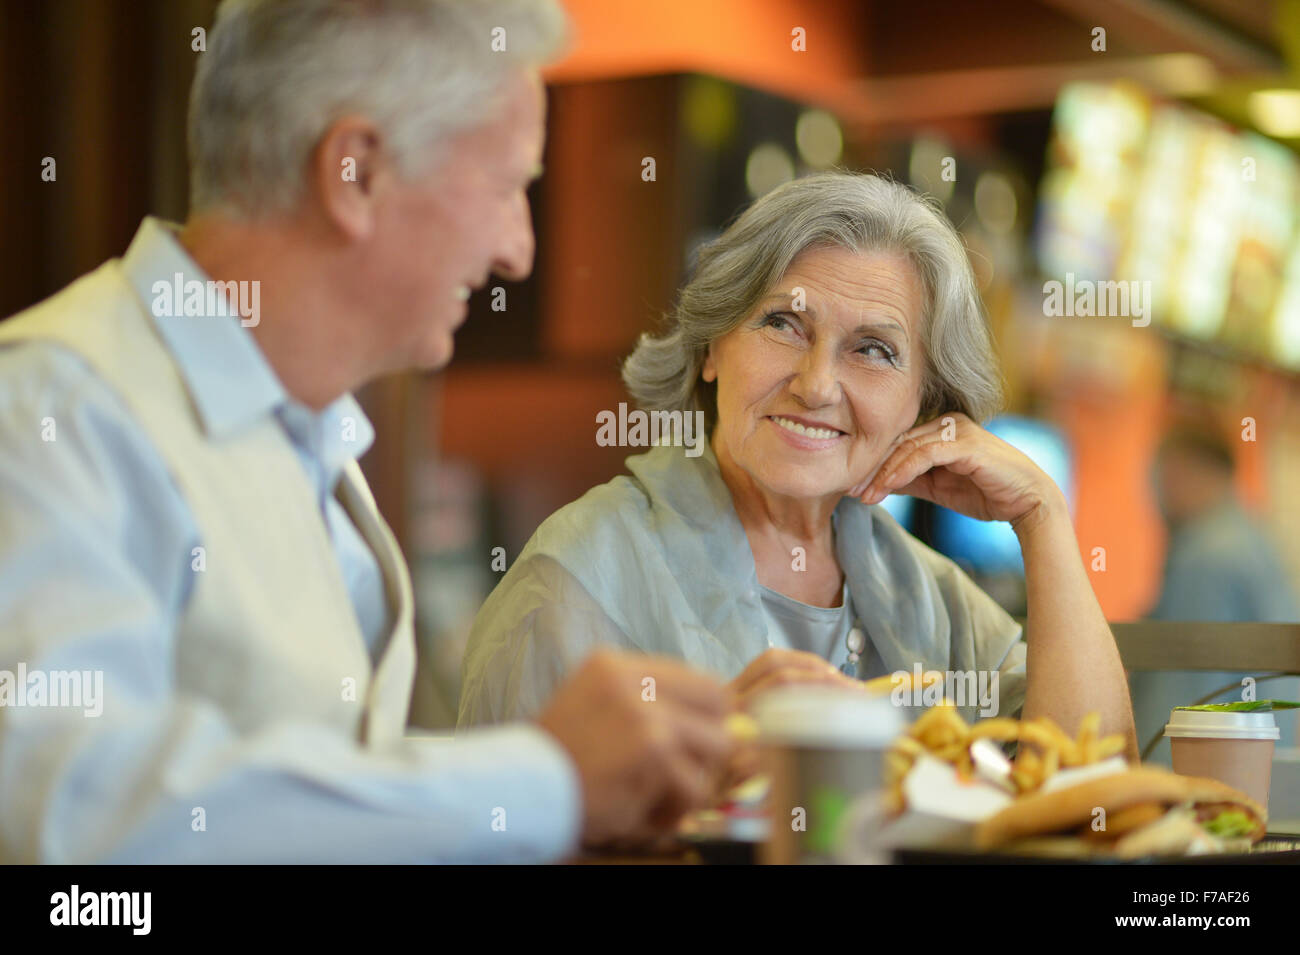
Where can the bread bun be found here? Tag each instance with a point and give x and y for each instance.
(1065, 809)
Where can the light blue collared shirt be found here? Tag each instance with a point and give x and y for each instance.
(214, 352)
(95, 551)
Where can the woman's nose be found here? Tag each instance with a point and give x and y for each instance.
(815, 383)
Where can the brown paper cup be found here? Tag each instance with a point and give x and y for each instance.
(823, 748)
(1234, 748)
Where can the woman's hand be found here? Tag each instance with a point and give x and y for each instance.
(955, 463)
(784, 668)
(768, 670)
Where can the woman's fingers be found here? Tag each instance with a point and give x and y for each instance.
(905, 445)
(913, 458)
(778, 659)
(794, 677)
(963, 468)
(858, 489)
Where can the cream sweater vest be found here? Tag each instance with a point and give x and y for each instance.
(269, 633)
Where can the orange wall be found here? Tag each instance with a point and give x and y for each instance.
(748, 41)
(1114, 438)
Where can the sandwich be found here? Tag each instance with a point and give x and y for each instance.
(1137, 812)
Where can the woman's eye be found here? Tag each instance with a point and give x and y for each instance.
(777, 321)
(877, 350)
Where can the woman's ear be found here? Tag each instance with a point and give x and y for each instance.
(708, 372)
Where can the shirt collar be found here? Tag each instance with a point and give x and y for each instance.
(339, 433)
(228, 378)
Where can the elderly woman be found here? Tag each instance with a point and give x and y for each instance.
(834, 342)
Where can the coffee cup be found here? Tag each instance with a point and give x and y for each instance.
(823, 748)
(1234, 747)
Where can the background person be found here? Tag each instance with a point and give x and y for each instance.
(1219, 566)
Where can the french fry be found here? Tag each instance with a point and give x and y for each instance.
(952, 751)
(965, 765)
(1044, 733)
(1110, 746)
(942, 733)
(946, 727)
(1088, 728)
(893, 799)
(1051, 763)
(1023, 779)
(931, 729)
(1039, 735)
(1054, 729)
(922, 723)
(909, 745)
(741, 727)
(1028, 770)
(896, 766)
(884, 685)
(941, 736)
(1001, 728)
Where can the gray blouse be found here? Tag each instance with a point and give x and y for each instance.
(658, 562)
(795, 625)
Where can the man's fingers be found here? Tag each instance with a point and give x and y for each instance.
(684, 786)
(706, 741)
(743, 765)
(683, 685)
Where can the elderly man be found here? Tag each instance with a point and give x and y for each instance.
(182, 519)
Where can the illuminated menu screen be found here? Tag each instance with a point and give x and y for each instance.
(1150, 192)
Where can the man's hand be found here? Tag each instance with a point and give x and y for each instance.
(646, 753)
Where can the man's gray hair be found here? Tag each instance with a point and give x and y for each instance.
(277, 73)
(857, 211)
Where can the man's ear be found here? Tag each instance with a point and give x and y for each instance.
(350, 173)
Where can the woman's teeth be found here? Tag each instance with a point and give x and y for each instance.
(807, 432)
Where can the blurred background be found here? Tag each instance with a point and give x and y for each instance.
(1069, 140)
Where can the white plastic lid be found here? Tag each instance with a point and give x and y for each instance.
(1222, 724)
(827, 717)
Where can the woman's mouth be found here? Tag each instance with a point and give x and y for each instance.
(806, 434)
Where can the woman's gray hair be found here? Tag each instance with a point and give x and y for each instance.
(857, 211)
(277, 73)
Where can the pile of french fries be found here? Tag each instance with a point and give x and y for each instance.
(942, 733)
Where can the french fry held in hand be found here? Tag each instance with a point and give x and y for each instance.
(1045, 747)
(741, 727)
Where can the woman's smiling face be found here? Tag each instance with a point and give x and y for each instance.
(810, 401)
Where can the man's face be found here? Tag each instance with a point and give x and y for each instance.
(444, 234)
